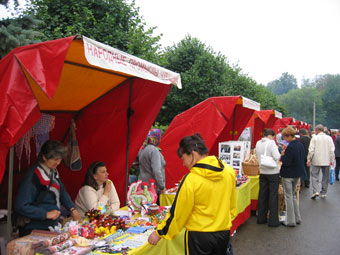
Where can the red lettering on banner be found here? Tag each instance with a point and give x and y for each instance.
(105, 54)
(95, 52)
(89, 48)
(100, 52)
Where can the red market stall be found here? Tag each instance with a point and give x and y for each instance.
(113, 97)
(288, 121)
(217, 119)
(263, 119)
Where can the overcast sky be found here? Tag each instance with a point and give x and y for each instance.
(264, 37)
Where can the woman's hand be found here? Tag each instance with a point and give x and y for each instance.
(52, 215)
(108, 187)
(75, 215)
(153, 238)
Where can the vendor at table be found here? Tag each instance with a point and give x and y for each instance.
(97, 191)
(41, 192)
(204, 203)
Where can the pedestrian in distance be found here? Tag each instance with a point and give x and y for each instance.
(337, 155)
(320, 158)
(305, 140)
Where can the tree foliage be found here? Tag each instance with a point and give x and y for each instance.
(18, 32)
(282, 85)
(113, 22)
(331, 100)
(299, 104)
(205, 74)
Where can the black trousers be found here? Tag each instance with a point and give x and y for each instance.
(269, 199)
(337, 166)
(206, 243)
(307, 182)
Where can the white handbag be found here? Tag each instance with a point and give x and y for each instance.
(267, 161)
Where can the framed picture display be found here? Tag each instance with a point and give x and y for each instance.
(233, 153)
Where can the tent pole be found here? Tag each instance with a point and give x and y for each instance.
(232, 136)
(129, 113)
(10, 188)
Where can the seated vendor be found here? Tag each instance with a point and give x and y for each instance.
(97, 190)
(41, 192)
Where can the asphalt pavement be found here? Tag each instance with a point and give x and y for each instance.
(318, 234)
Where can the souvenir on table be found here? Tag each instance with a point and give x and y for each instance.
(24, 245)
(137, 194)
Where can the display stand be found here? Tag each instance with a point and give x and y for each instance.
(233, 153)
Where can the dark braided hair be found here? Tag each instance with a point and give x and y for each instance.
(191, 143)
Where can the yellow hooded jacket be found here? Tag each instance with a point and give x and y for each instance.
(205, 200)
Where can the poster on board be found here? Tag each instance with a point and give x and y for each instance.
(233, 153)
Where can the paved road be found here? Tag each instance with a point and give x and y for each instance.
(318, 234)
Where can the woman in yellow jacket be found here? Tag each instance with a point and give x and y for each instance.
(204, 204)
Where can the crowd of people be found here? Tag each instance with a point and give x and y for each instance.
(297, 156)
(302, 156)
(207, 221)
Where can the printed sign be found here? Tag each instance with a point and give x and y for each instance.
(104, 56)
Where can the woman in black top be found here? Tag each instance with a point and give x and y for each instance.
(292, 169)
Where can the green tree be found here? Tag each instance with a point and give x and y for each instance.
(331, 100)
(15, 32)
(205, 74)
(299, 104)
(113, 22)
(282, 85)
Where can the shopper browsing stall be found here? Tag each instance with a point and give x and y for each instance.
(42, 193)
(151, 161)
(207, 221)
(293, 167)
(97, 191)
(269, 180)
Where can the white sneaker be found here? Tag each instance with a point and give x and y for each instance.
(315, 195)
(323, 196)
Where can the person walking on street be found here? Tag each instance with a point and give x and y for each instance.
(337, 156)
(305, 140)
(320, 157)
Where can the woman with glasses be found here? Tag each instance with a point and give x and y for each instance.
(97, 191)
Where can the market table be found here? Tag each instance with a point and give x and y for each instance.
(246, 200)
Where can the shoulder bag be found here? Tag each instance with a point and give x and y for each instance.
(267, 161)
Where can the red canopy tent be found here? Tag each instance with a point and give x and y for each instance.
(261, 120)
(288, 121)
(282, 123)
(217, 119)
(113, 96)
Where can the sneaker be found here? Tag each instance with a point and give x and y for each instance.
(315, 195)
(323, 196)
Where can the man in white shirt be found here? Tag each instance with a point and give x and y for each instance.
(320, 158)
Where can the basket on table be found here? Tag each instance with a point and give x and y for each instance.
(251, 167)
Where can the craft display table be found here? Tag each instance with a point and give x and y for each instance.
(246, 200)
